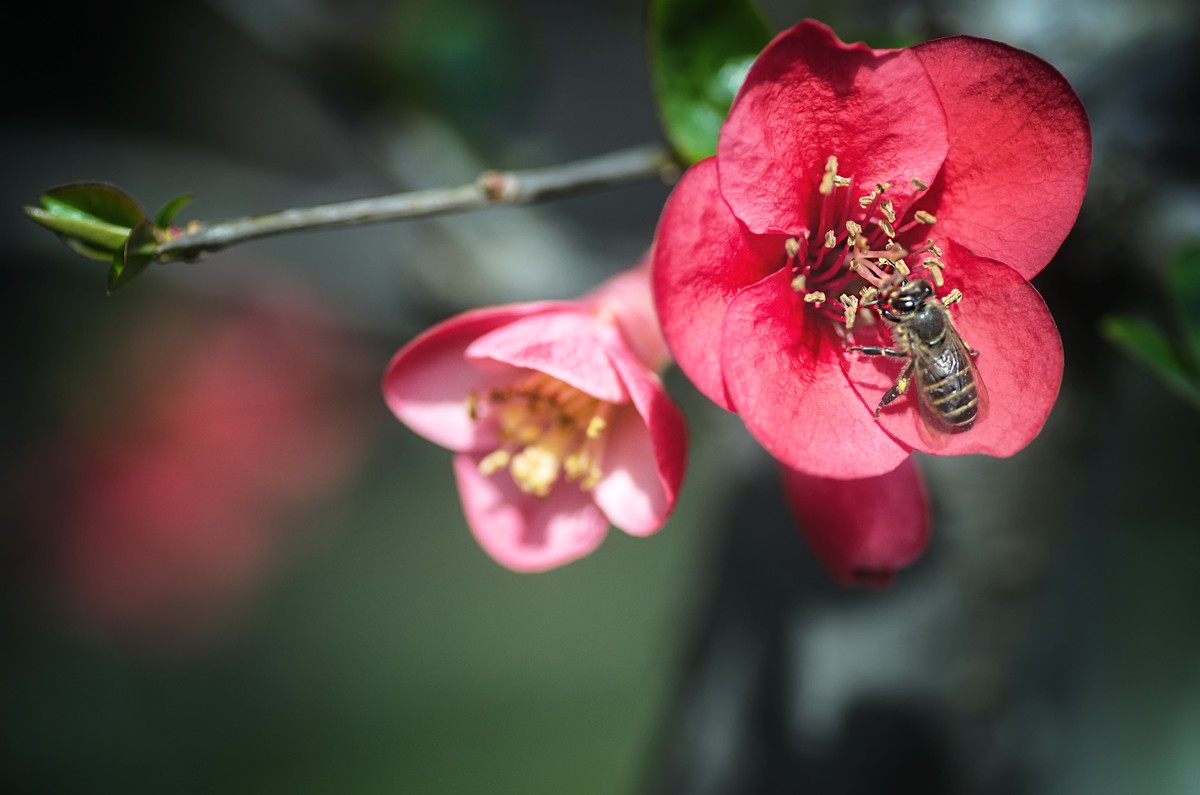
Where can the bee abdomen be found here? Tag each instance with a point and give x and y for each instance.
(954, 398)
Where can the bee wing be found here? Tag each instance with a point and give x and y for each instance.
(954, 357)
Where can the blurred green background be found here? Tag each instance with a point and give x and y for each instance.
(226, 568)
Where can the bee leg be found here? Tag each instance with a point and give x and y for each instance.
(871, 350)
(898, 388)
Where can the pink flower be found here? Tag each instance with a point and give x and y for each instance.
(557, 416)
(961, 162)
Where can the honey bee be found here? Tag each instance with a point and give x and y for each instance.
(950, 394)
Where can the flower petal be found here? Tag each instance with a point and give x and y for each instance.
(1020, 361)
(523, 532)
(781, 364)
(701, 258)
(427, 382)
(1020, 148)
(645, 455)
(628, 299)
(863, 530)
(809, 96)
(568, 345)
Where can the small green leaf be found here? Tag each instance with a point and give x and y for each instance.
(83, 233)
(1183, 282)
(94, 200)
(1147, 345)
(133, 259)
(162, 218)
(700, 51)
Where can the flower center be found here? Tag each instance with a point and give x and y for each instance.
(861, 245)
(546, 429)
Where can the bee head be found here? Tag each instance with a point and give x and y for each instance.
(905, 298)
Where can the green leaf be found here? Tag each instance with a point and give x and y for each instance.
(162, 218)
(1149, 346)
(134, 257)
(1183, 282)
(85, 234)
(94, 200)
(700, 51)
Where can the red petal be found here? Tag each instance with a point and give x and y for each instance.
(568, 345)
(428, 380)
(809, 96)
(523, 532)
(1020, 361)
(702, 256)
(1020, 148)
(782, 365)
(862, 530)
(645, 455)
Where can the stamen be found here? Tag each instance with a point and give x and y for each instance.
(799, 283)
(918, 184)
(849, 309)
(886, 227)
(888, 210)
(815, 297)
(901, 266)
(792, 247)
(830, 239)
(935, 267)
(953, 297)
(925, 218)
(494, 461)
(854, 229)
(826, 187)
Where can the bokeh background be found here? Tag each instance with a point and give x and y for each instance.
(224, 567)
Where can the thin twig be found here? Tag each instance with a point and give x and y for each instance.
(491, 188)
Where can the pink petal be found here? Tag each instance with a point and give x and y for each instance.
(782, 367)
(645, 455)
(523, 532)
(568, 345)
(1020, 361)
(628, 299)
(862, 530)
(701, 258)
(1020, 148)
(809, 96)
(428, 380)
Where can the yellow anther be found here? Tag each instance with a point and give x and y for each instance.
(868, 294)
(827, 178)
(799, 283)
(886, 227)
(901, 266)
(882, 186)
(953, 297)
(924, 217)
(494, 462)
(815, 297)
(849, 309)
(935, 268)
(937, 252)
(866, 201)
(830, 239)
(596, 426)
(792, 246)
(841, 182)
(918, 184)
(888, 210)
(854, 229)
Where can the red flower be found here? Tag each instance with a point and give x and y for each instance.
(558, 419)
(961, 161)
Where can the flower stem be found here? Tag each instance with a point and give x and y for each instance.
(490, 188)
